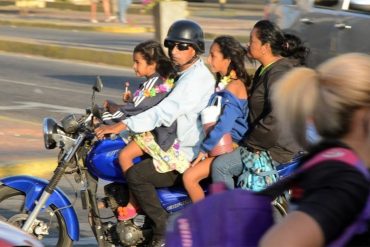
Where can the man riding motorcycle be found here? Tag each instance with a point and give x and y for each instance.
(195, 85)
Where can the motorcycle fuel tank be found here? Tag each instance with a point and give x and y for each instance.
(102, 160)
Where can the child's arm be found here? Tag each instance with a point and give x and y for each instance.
(130, 109)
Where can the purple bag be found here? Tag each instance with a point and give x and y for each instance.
(241, 217)
(233, 218)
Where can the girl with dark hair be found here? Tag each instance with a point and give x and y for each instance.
(226, 59)
(277, 53)
(151, 62)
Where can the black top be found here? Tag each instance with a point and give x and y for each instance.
(333, 194)
(264, 133)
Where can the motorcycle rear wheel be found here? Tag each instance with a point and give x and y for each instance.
(12, 208)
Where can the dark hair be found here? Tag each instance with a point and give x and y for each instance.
(152, 52)
(286, 45)
(294, 48)
(233, 50)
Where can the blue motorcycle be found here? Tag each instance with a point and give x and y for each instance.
(42, 209)
(39, 207)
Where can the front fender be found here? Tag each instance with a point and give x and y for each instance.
(33, 188)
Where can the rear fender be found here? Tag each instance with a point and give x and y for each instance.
(33, 188)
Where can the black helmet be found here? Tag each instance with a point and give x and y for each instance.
(187, 32)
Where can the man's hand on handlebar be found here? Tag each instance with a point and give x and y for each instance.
(110, 106)
(103, 130)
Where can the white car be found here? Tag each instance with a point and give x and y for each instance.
(329, 27)
(12, 236)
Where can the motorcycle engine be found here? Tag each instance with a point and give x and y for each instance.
(133, 232)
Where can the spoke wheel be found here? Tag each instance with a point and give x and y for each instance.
(279, 208)
(12, 210)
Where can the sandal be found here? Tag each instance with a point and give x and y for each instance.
(126, 213)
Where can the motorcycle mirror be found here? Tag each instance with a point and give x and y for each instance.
(98, 86)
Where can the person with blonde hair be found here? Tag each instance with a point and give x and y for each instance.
(329, 199)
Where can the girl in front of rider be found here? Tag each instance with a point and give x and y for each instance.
(227, 60)
(150, 62)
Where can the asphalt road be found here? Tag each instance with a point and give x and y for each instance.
(55, 82)
(32, 88)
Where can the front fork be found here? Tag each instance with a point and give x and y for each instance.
(90, 200)
(49, 189)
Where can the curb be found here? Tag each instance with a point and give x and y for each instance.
(110, 29)
(60, 52)
(40, 168)
(136, 7)
(123, 59)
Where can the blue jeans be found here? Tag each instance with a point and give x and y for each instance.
(122, 9)
(227, 166)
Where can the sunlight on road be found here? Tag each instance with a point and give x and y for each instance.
(37, 168)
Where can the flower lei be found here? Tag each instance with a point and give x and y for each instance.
(165, 87)
(225, 80)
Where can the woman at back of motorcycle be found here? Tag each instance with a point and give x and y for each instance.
(226, 59)
(277, 53)
(335, 97)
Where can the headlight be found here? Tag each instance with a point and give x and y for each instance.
(50, 127)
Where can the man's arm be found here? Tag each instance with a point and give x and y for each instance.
(190, 90)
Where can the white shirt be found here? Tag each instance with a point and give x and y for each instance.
(187, 99)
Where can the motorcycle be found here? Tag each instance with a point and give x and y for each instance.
(41, 208)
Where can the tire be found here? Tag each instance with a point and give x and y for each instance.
(12, 210)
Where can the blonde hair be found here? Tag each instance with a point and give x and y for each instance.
(328, 96)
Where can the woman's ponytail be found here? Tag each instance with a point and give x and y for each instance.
(294, 101)
(294, 48)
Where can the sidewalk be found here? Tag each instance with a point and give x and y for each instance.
(236, 20)
(232, 21)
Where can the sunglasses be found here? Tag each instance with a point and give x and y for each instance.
(180, 46)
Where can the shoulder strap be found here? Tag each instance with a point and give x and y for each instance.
(347, 156)
(340, 154)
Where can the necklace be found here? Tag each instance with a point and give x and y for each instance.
(165, 87)
(266, 67)
(225, 80)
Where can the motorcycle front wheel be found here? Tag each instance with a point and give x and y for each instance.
(51, 228)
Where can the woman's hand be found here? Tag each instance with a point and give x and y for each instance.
(101, 131)
(201, 156)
